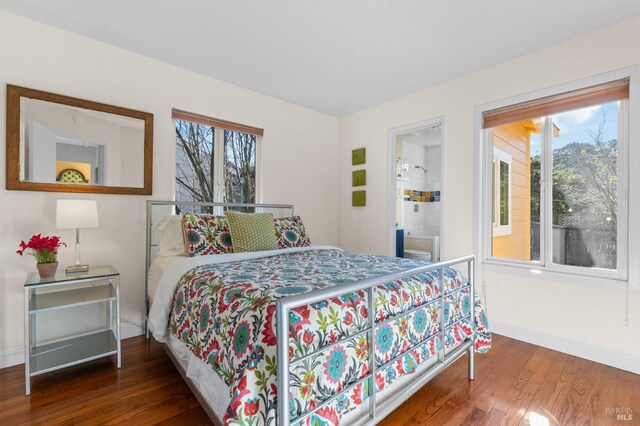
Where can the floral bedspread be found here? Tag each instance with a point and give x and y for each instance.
(225, 314)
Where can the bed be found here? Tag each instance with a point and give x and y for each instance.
(228, 319)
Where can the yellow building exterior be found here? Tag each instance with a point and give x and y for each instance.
(514, 140)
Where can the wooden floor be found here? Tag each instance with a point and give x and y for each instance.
(516, 383)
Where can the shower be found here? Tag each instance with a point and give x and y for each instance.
(416, 160)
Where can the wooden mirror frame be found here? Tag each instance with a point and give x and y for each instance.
(14, 93)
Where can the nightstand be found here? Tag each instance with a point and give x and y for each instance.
(99, 287)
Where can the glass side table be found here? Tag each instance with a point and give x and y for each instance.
(100, 285)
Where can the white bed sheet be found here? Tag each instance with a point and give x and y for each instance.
(212, 388)
(159, 265)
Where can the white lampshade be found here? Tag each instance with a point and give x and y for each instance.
(76, 214)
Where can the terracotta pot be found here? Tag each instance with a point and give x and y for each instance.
(47, 270)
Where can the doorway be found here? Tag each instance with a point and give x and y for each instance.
(416, 190)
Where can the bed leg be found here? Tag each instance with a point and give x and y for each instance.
(471, 361)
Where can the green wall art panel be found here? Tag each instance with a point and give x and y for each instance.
(359, 198)
(358, 156)
(359, 178)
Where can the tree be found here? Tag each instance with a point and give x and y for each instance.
(240, 167)
(584, 180)
(195, 164)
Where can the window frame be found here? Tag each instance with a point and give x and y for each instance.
(219, 156)
(628, 233)
(499, 156)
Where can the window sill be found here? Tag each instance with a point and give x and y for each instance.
(541, 272)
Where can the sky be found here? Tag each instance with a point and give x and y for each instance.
(575, 126)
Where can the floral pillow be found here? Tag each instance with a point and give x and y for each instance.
(206, 234)
(290, 232)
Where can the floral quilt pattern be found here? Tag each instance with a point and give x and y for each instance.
(225, 314)
(206, 234)
(290, 232)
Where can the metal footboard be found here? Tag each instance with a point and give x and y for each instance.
(376, 411)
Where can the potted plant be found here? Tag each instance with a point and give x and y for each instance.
(45, 250)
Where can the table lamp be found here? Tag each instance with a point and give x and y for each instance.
(77, 214)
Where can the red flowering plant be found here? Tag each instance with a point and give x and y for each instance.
(44, 249)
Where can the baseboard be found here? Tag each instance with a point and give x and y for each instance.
(11, 357)
(605, 356)
(128, 330)
(16, 356)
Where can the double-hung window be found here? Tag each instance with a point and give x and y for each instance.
(555, 174)
(216, 161)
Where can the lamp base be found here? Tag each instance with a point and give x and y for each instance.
(74, 269)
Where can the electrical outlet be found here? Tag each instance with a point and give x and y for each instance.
(416, 208)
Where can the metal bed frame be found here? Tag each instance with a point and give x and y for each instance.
(376, 412)
(193, 205)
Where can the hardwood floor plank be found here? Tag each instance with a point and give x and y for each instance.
(628, 397)
(194, 416)
(606, 398)
(547, 367)
(475, 417)
(493, 417)
(511, 377)
(571, 401)
(514, 381)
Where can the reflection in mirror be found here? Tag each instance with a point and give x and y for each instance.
(71, 145)
(57, 143)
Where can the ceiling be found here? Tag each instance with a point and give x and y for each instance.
(333, 56)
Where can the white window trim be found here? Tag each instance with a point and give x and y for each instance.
(259, 180)
(498, 157)
(218, 158)
(628, 274)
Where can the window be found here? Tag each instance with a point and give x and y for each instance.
(501, 192)
(555, 181)
(216, 161)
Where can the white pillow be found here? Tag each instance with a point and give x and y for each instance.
(170, 240)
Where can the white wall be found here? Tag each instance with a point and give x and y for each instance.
(120, 138)
(415, 155)
(42, 148)
(426, 221)
(569, 314)
(130, 155)
(299, 155)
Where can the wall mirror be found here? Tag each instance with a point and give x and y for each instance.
(57, 143)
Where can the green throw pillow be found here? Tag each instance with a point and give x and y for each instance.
(252, 231)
